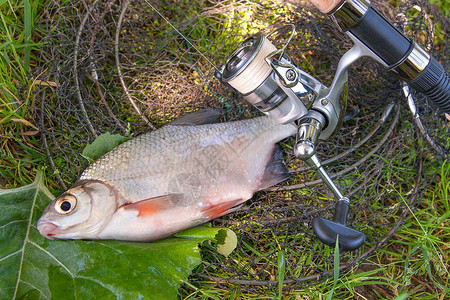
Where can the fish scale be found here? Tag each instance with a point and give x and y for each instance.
(168, 180)
(146, 162)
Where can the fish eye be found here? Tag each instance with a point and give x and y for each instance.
(65, 204)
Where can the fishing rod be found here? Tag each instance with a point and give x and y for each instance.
(403, 57)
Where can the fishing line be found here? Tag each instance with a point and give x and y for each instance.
(185, 38)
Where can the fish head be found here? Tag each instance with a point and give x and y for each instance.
(79, 213)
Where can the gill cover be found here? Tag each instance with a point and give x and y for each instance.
(81, 212)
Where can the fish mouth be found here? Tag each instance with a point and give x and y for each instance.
(47, 229)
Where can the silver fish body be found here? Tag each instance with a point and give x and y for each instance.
(168, 180)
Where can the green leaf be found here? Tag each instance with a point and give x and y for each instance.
(102, 145)
(33, 267)
(226, 239)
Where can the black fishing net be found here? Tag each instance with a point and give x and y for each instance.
(118, 66)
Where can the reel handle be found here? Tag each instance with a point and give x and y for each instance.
(326, 230)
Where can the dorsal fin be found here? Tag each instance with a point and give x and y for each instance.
(199, 117)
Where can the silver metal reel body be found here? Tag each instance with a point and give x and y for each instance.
(268, 79)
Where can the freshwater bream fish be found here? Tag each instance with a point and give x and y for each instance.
(168, 180)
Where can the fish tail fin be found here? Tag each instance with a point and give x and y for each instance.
(275, 171)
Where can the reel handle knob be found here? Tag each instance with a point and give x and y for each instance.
(341, 211)
(328, 230)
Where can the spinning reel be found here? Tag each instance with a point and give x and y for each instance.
(267, 78)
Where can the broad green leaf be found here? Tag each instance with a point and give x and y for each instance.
(103, 144)
(33, 267)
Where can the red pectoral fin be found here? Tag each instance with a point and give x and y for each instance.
(215, 211)
(153, 205)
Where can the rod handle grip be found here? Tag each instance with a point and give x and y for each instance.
(434, 82)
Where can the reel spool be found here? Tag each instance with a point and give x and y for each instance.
(246, 68)
(250, 71)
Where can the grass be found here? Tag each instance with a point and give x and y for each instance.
(413, 264)
(443, 5)
(19, 144)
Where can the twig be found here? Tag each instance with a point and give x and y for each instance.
(380, 290)
(424, 283)
(119, 71)
(47, 151)
(75, 69)
(94, 70)
(440, 149)
(108, 109)
(364, 183)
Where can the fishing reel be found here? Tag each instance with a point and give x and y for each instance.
(268, 79)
